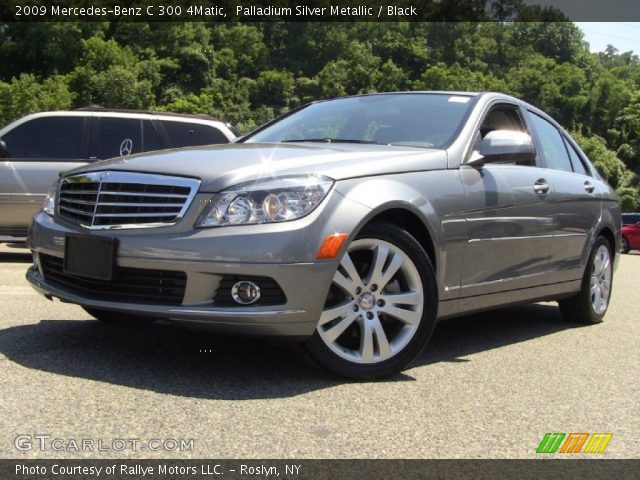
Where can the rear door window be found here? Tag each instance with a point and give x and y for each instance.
(49, 137)
(184, 134)
(114, 131)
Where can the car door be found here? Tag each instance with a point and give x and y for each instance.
(39, 150)
(509, 222)
(576, 198)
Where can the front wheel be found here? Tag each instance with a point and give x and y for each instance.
(118, 318)
(381, 307)
(591, 303)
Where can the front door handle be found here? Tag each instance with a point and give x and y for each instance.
(541, 187)
(589, 187)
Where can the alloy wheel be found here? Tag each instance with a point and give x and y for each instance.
(601, 279)
(375, 303)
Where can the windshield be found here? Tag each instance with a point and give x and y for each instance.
(417, 120)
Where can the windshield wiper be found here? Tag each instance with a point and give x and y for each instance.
(331, 140)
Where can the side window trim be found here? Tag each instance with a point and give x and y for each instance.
(86, 126)
(163, 140)
(94, 137)
(566, 147)
(541, 161)
(164, 136)
(569, 145)
(532, 133)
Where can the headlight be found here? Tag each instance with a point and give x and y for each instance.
(49, 206)
(278, 200)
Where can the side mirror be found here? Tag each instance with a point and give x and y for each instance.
(4, 153)
(504, 146)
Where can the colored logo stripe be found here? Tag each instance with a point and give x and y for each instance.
(550, 443)
(598, 442)
(574, 443)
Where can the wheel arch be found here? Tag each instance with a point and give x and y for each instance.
(607, 233)
(404, 216)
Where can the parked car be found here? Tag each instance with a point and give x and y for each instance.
(630, 218)
(36, 148)
(352, 224)
(631, 237)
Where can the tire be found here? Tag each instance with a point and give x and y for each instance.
(118, 318)
(384, 260)
(590, 304)
(625, 246)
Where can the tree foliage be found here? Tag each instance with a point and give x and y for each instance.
(249, 73)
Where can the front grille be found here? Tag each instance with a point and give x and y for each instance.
(131, 285)
(270, 291)
(124, 200)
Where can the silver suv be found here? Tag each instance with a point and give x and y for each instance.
(351, 224)
(37, 147)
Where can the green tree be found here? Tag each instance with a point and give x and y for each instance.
(24, 95)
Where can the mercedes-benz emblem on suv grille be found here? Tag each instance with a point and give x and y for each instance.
(126, 147)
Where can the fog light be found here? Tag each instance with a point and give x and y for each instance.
(245, 292)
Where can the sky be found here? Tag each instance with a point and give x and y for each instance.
(624, 36)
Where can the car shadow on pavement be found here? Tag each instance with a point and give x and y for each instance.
(457, 338)
(15, 257)
(169, 359)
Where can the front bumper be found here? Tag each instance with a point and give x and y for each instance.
(304, 283)
(277, 321)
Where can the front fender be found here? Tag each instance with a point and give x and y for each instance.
(432, 196)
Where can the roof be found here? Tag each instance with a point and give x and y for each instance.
(147, 112)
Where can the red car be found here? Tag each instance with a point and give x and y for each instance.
(631, 237)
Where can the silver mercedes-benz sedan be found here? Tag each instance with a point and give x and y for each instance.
(352, 225)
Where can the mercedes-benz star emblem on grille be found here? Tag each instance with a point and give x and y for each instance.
(126, 147)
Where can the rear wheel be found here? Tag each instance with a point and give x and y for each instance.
(625, 245)
(381, 307)
(118, 318)
(591, 303)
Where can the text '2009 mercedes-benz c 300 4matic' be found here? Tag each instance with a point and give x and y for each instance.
(351, 224)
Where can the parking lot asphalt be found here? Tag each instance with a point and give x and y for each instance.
(488, 386)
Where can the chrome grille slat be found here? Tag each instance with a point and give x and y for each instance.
(73, 210)
(138, 194)
(132, 215)
(141, 205)
(79, 202)
(114, 199)
(81, 192)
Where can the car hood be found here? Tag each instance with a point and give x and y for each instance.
(223, 166)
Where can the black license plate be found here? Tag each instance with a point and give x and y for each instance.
(90, 257)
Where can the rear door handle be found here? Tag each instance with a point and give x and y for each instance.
(589, 187)
(541, 186)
